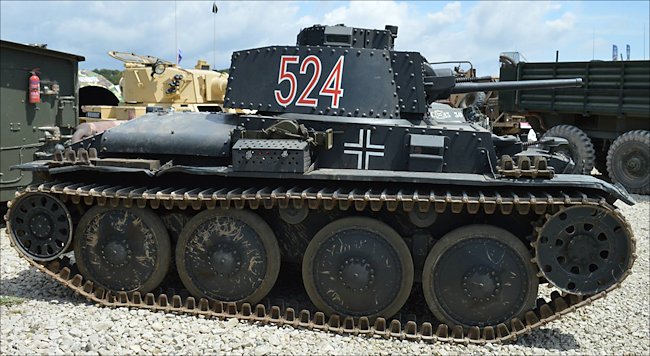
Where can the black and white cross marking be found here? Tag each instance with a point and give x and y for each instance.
(363, 149)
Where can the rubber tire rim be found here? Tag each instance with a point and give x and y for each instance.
(466, 233)
(152, 221)
(631, 141)
(384, 231)
(262, 230)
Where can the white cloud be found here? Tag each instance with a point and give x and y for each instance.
(451, 13)
(92, 29)
(453, 31)
(564, 23)
(369, 15)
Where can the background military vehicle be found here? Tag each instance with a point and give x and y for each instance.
(33, 120)
(349, 170)
(152, 84)
(606, 121)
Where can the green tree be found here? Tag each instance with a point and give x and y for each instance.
(113, 75)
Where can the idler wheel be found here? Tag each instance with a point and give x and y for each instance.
(584, 249)
(41, 226)
(122, 249)
(228, 256)
(357, 267)
(479, 275)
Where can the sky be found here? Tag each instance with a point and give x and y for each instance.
(475, 31)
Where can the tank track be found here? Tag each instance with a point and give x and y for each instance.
(547, 310)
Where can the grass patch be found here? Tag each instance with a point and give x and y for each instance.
(9, 301)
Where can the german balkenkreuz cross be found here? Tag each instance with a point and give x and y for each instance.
(363, 149)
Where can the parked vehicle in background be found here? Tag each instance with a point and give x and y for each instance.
(151, 84)
(606, 121)
(33, 120)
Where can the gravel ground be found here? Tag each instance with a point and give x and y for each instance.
(38, 316)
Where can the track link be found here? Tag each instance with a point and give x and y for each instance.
(547, 310)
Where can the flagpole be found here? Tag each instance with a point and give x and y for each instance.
(175, 33)
(214, 40)
(215, 9)
(593, 44)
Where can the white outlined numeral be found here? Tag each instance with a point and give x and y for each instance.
(304, 99)
(331, 87)
(283, 75)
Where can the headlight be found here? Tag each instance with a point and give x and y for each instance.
(159, 68)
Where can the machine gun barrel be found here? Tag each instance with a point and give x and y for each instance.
(517, 85)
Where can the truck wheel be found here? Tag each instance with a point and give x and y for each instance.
(581, 150)
(628, 161)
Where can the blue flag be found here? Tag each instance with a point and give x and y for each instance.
(180, 55)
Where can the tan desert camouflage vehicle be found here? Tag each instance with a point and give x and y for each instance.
(151, 84)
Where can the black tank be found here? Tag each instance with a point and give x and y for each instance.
(337, 159)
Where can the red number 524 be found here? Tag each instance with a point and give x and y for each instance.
(331, 87)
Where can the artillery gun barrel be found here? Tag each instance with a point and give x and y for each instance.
(517, 85)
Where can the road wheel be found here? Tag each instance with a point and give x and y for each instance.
(228, 256)
(358, 266)
(580, 149)
(628, 161)
(122, 249)
(479, 275)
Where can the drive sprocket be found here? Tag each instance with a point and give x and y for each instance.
(584, 249)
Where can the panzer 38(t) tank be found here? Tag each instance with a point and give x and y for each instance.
(348, 169)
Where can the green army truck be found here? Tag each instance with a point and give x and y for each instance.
(606, 121)
(31, 127)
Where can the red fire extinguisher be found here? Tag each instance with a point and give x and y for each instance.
(34, 89)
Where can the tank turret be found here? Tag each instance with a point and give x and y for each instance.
(345, 170)
(345, 71)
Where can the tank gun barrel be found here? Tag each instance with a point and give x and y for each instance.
(440, 83)
(467, 87)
